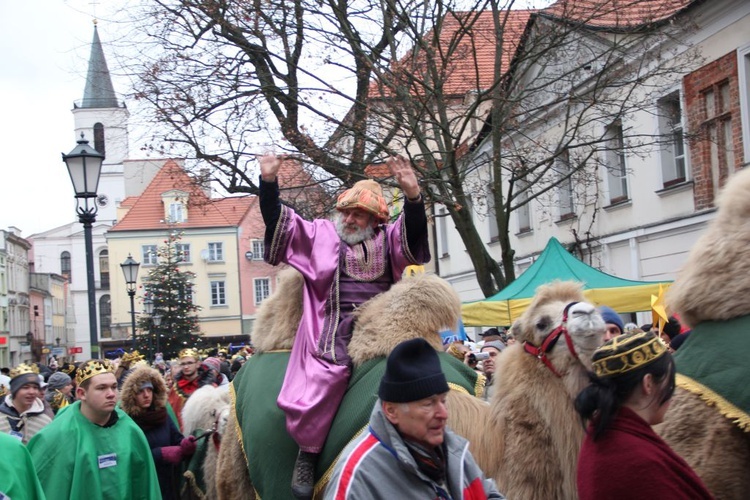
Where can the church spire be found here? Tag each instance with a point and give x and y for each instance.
(99, 92)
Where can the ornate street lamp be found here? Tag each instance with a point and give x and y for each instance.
(130, 270)
(84, 166)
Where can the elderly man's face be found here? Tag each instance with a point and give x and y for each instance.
(354, 225)
(422, 422)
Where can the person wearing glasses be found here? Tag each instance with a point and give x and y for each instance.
(185, 382)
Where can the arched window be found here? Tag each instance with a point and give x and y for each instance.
(104, 269)
(99, 144)
(65, 264)
(105, 317)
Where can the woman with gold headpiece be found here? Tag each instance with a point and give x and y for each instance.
(622, 457)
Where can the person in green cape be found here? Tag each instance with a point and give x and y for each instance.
(92, 449)
(18, 479)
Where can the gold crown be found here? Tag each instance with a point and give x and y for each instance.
(189, 351)
(130, 357)
(92, 368)
(23, 369)
(627, 352)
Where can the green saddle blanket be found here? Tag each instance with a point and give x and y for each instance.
(269, 450)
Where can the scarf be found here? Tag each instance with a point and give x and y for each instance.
(151, 418)
(431, 462)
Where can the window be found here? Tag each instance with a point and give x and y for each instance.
(258, 249)
(183, 252)
(65, 264)
(671, 131)
(743, 59)
(443, 231)
(215, 252)
(148, 255)
(262, 289)
(523, 212)
(104, 269)
(105, 317)
(99, 143)
(218, 293)
(617, 179)
(718, 125)
(177, 212)
(565, 185)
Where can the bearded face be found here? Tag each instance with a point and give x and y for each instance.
(354, 227)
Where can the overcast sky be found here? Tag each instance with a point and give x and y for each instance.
(44, 50)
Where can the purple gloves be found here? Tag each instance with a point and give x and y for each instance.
(171, 454)
(188, 445)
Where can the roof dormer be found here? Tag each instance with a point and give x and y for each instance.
(175, 206)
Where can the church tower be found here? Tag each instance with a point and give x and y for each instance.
(103, 120)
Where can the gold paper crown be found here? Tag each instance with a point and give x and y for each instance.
(130, 357)
(92, 368)
(627, 352)
(189, 351)
(23, 369)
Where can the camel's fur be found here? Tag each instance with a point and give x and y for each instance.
(533, 433)
(714, 285)
(416, 306)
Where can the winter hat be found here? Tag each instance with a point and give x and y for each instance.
(58, 380)
(21, 375)
(626, 353)
(366, 195)
(610, 316)
(146, 385)
(412, 372)
(212, 364)
(497, 344)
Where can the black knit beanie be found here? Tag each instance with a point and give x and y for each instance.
(412, 372)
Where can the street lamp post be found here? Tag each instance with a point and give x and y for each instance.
(84, 166)
(148, 308)
(130, 270)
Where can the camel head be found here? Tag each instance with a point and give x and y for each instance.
(558, 318)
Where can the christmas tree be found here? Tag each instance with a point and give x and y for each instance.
(171, 290)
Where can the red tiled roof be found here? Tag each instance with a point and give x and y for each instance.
(617, 14)
(471, 65)
(147, 210)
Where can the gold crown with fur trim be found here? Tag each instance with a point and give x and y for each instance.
(23, 369)
(93, 368)
(627, 352)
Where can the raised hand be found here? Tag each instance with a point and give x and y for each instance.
(401, 169)
(269, 167)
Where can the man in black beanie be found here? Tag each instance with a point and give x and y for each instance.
(409, 451)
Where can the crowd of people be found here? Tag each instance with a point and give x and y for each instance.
(102, 429)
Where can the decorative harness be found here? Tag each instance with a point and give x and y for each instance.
(550, 341)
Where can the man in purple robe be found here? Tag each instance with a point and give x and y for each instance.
(344, 262)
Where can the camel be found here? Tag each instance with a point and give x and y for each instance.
(709, 429)
(533, 433)
(206, 409)
(416, 306)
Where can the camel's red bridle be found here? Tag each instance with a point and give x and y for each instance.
(550, 341)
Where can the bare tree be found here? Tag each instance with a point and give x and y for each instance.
(341, 84)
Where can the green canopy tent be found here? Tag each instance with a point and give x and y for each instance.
(556, 263)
